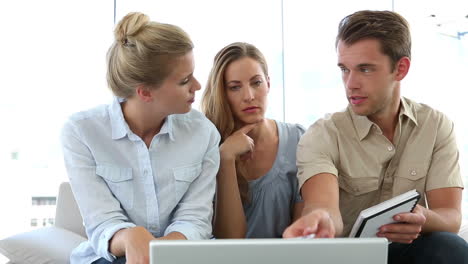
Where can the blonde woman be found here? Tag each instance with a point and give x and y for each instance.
(143, 167)
(257, 194)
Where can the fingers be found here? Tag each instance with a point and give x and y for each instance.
(325, 225)
(326, 228)
(305, 225)
(246, 156)
(401, 228)
(238, 144)
(416, 217)
(246, 129)
(317, 222)
(401, 233)
(399, 238)
(295, 230)
(405, 238)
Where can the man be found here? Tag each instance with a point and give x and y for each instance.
(381, 146)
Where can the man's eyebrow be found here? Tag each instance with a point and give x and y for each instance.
(366, 65)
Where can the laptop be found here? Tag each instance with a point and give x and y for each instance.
(270, 251)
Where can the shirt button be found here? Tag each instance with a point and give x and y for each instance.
(390, 148)
(413, 172)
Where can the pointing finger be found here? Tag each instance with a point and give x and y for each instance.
(247, 128)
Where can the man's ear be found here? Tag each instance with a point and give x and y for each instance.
(402, 68)
(143, 93)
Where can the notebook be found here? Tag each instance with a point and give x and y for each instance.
(270, 251)
(371, 219)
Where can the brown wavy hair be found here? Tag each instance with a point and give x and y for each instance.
(214, 102)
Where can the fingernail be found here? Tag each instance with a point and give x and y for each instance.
(397, 217)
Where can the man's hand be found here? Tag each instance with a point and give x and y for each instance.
(407, 229)
(318, 222)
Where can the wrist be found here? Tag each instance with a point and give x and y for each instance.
(225, 154)
(117, 244)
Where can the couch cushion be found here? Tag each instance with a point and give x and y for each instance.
(51, 245)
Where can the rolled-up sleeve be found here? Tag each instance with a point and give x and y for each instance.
(101, 211)
(444, 170)
(193, 214)
(317, 151)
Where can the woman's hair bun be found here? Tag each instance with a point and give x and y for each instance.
(129, 26)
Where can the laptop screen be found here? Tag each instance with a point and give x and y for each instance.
(270, 251)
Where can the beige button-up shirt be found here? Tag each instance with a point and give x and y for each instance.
(372, 169)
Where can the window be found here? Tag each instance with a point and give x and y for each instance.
(439, 65)
(53, 63)
(257, 22)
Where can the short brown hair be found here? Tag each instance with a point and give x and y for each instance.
(389, 28)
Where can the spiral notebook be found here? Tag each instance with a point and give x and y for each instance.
(370, 219)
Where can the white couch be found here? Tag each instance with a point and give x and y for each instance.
(52, 245)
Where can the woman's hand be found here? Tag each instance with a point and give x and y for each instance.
(135, 244)
(238, 144)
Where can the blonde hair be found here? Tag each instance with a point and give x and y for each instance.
(143, 53)
(215, 105)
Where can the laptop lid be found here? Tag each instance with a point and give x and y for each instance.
(270, 251)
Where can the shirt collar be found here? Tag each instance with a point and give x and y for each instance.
(167, 127)
(363, 125)
(120, 127)
(408, 110)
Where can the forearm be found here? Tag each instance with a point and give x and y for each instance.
(442, 219)
(118, 242)
(229, 220)
(321, 193)
(444, 210)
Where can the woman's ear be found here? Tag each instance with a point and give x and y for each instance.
(268, 82)
(402, 68)
(143, 93)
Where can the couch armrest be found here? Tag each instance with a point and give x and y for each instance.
(67, 214)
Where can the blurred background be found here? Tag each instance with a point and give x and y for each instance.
(52, 61)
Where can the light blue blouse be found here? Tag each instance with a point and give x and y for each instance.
(119, 183)
(274, 195)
